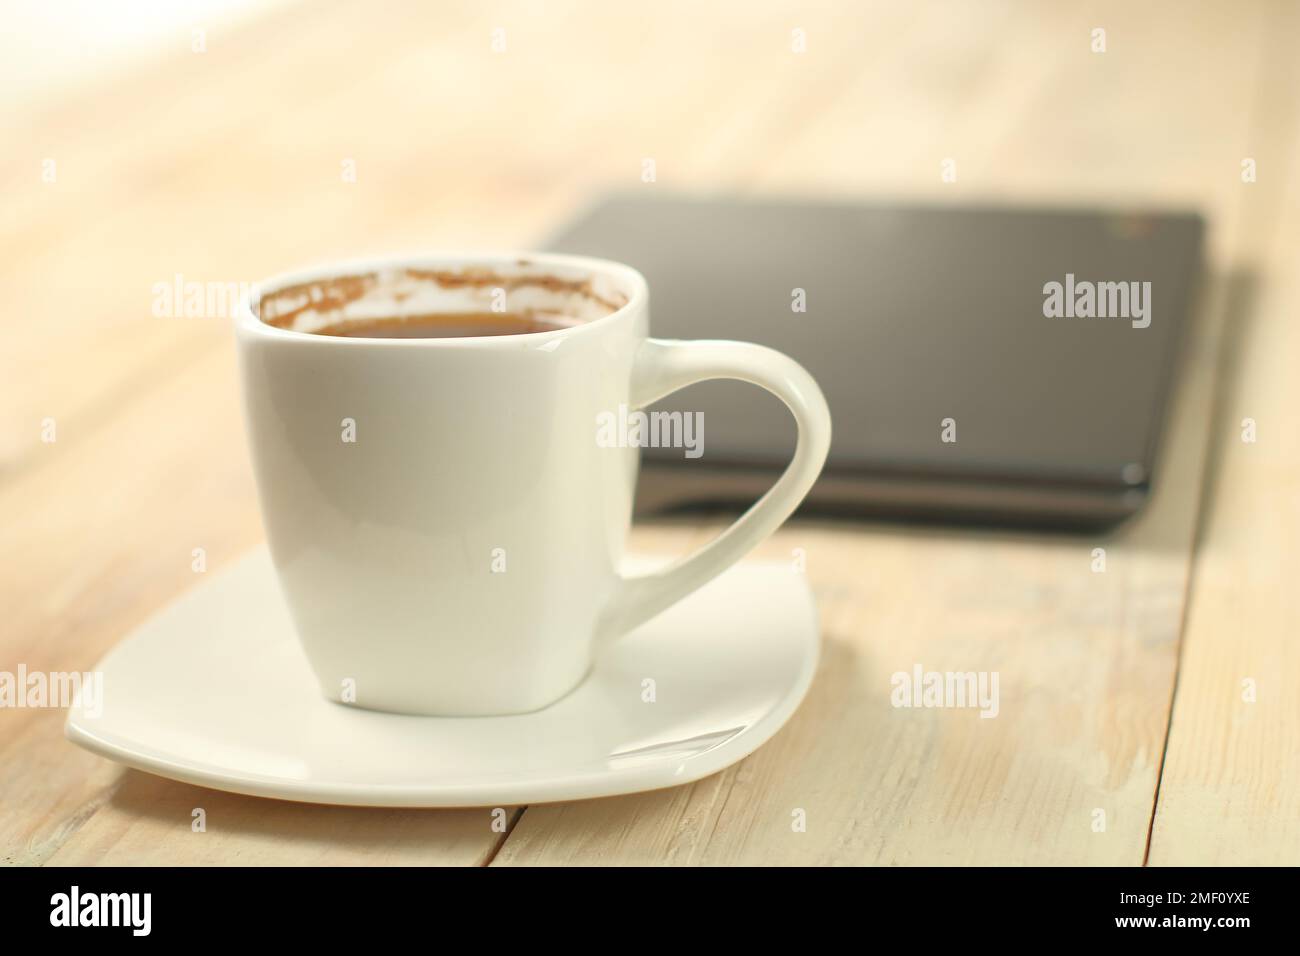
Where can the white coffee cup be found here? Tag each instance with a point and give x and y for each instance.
(446, 525)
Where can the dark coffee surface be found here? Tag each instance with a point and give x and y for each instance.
(447, 325)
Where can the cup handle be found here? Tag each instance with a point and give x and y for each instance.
(663, 366)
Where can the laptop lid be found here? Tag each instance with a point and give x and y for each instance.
(988, 363)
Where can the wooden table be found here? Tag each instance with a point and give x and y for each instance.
(1157, 698)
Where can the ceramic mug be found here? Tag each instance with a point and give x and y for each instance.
(446, 526)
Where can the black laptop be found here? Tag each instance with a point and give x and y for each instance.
(981, 364)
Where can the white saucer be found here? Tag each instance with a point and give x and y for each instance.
(214, 691)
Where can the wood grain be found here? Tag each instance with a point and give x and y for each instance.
(225, 166)
(1230, 791)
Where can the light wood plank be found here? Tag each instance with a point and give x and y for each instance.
(147, 821)
(1230, 792)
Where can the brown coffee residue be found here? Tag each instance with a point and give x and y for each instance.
(480, 278)
(282, 307)
(279, 308)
